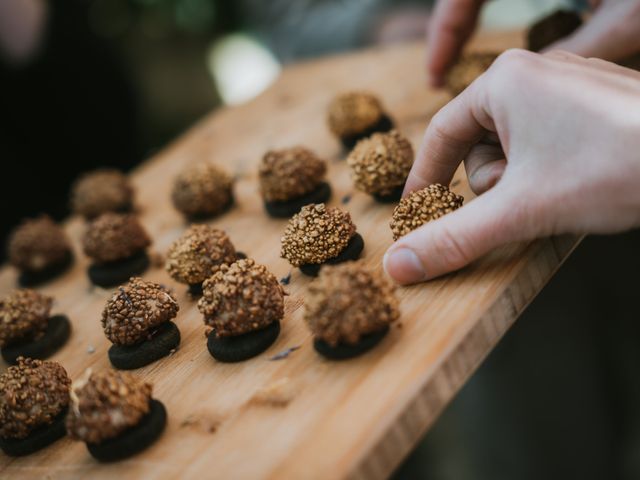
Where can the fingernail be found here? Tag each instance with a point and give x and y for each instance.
(404, 266)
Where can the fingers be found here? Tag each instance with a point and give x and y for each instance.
(484, 165)
(458, 238)
(450, 135)
(453, 23)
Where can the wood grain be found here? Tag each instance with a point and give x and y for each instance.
(301, 417)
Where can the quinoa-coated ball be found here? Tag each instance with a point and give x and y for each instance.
(32, 394)
(24, 314)
(202, 189)
(114, 236)
(348, 301)
(100, 191)
(467, 69)
(290, 173)
(37, 244)
(104, 404)
(198, 254)
(353, 112)
(422, 206)
(316, 234)
(240, 298)
(381, 163)
(135, 310)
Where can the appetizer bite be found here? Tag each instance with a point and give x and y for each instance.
(320, 235)
(137, 321)
(349, 309)
(290, 179)
(243, 304)
(117, 244)
(40, 250)
(34, 399)
(27, 328)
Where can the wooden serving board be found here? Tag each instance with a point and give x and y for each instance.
(302, 416)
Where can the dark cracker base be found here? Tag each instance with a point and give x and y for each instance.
(383, 125)
(558, 25)
(392, 197)
(351, 252)
(286, 209)
(195, 290)
(38, 439)
(163, 341)
(55, 336)
(34, 278)
(343, 351)
(135, 439)
(116, 273)
(242, 347)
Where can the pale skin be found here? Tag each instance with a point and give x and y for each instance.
(550, 144)
(610, 34)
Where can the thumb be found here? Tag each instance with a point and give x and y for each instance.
(458, 238)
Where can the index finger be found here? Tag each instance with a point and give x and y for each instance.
(458, 126)
(452, 25)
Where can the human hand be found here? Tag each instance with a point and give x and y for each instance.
(610, 34)
(550, 146)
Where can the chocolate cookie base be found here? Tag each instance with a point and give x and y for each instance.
(393, 197)
(38, 439)
(343, 351)
(242, 347)
(383, 125)
(32, 278)
(288, 208)
(133, 440)
(351, 252)
(195, 290)
(116, 273)
(55, 336)
(553, 27)
(200, 217)
(127, 357)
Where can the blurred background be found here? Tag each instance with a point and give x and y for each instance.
(90, 83)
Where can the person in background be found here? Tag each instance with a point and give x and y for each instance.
(66, 106)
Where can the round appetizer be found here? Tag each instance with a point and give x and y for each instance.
(290, 179)
(137, 321)
(101, 191)
(553, 27)
(356, 115)
(380, 165)
(320, 235)
(348, 309)
(27, 328)
(34, 399)
(114, 414)
(198, 254)
(202, 191)
(243, 304)
(40, 250)
(467, 69)
(422, 206)
(117, 244)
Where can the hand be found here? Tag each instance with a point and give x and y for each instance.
(550, 145)
(610, 34)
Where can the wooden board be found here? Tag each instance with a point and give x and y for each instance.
(353, 419)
